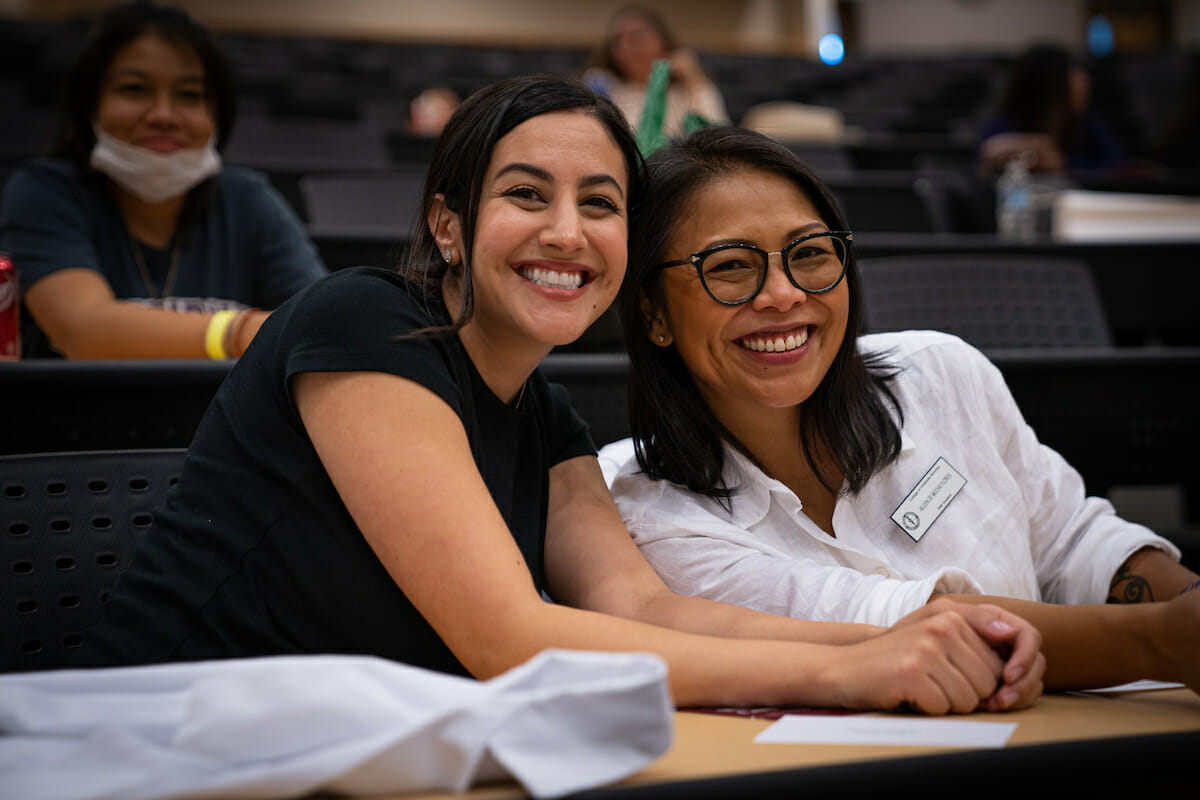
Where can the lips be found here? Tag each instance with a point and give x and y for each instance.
(161, 145)
(780, 342)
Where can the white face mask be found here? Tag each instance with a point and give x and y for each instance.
(153, 177)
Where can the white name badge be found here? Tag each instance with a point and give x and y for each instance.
(928, 499)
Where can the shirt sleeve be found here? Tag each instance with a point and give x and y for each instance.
(43, 225)
(1078, 542)
(357, 320)
(699, 551)
(288, 259)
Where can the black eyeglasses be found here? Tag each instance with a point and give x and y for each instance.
(734, 274)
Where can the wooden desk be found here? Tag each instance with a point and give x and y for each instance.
(1144, 744)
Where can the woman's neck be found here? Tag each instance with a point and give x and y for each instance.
(504, 362)
(773, 440)
(152, 223)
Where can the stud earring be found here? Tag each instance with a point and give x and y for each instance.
(447, 254)
(661, 338)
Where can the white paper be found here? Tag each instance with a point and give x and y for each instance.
(1090, 216)
(905, 731)
(1134, 686)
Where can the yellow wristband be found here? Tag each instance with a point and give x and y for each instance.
(214, 336)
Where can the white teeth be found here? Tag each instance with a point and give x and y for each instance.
(552, 279)
(779, 344)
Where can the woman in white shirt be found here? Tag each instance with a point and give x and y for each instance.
(786, 464)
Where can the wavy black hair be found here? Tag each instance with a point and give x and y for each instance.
(676, 435)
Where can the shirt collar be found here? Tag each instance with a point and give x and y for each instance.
(753, 498)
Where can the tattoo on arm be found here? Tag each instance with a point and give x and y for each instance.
(1127, 587)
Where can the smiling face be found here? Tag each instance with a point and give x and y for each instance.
(551, 233)
(153, 96)
(772, 352)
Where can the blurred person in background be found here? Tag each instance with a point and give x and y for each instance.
(131, 239)
(620, 68)
(1045, 112)
(431, 109)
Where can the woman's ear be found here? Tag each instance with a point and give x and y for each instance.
(446, 229)
(656, 325)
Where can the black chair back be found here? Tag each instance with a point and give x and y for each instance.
(991, 301)
(597, 385)
(70, 523)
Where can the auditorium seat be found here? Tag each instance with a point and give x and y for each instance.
(381, 204)
(69, 523)
(991, 301)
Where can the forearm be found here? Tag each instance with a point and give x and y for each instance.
(128, 330)
(936, 664)
(698, 615)
(1088, 646)
(124, 329)
(702, 670)
(1149, 575)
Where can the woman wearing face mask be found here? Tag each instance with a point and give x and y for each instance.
(131, 239)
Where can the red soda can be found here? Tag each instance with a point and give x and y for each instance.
(10, 311)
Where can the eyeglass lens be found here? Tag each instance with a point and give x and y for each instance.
(734, 274)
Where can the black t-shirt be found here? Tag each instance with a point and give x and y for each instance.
(255, 553)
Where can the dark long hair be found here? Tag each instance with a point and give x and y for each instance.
(112, 31)
(1037, 96)
(677, 437)
(463, 152)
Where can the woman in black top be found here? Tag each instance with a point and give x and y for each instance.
(386, 471)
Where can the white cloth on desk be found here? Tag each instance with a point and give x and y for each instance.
(1020, 527)
(292, 725)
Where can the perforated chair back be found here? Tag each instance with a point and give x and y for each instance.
(381, 204)
(991, 301)
(70, 523)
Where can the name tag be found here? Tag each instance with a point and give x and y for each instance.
(928, 499)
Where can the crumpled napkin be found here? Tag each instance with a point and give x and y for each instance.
(290, 725)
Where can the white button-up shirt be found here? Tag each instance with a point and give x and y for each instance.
(1019, 526)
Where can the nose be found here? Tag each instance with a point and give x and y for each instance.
(778, 293)
(163, 110)
(563, 230)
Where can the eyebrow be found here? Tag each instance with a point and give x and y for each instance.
(541, 174)
(133, 72)
(792, 235)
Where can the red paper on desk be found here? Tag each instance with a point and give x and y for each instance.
(772, 712)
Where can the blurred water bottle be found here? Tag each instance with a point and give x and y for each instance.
(1016, 218)
(10, 308)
